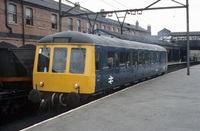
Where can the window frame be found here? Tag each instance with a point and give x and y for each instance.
(96, 26)
(140, 58)
(88, 28)
(103, 27)
(78, 25)
(133, 58)
(12, 14)
(59, 66)
(54, 24)
(29, 19)
(70, 24)
(43, 59)
(113, 56)
(117, 30)
(113, 29)
(79, 69)
(122, 61)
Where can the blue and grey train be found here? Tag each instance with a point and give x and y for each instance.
(71, 64)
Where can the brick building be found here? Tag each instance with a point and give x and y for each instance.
(26, 21)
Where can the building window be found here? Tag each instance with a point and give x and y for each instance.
(117, 29)
(78, 25)
(54, 21)
(12, 13)
(29, 16)
(70, 24)
(96, 26)
(113, 29)
(88, 28)
(103, 27)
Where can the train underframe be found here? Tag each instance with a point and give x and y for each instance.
(12, 101)
(50, 100)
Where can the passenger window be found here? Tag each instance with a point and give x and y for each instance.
(59, 60)
(147, 58)
(122, 59)
(136, 59)
(163, 59)
(117, 60)
(160, 57)
(152, 57)
(156, 57)
(140, 58)
(77, 60)
(110, 59)
(97, 57)
(43, 59)
(127, 59)
(132, 61)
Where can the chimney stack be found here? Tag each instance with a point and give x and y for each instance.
(149, 28)
(77, 5)
(137, 24)
(103, 14)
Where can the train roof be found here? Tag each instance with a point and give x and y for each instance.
(78, 37)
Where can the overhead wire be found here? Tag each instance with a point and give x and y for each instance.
(109, 4)
(144, 19)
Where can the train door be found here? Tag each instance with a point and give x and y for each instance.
(133, 65)
(98, 68)
(98, 71)
(122, 64)
(128, 77)
(108, 71)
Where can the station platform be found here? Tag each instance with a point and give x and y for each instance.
(167, 103)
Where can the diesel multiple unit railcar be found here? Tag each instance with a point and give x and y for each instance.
(69, 65)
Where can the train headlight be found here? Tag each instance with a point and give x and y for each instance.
(41, 84)
(76, 86)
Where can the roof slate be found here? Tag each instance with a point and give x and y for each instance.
(53, 5)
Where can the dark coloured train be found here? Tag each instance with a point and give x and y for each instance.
(16, 67)
(69, 65)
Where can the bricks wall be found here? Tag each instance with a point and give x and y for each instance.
(42, 24)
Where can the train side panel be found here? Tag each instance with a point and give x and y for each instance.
(118, 66)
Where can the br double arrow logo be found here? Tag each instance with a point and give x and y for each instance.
(110, 80)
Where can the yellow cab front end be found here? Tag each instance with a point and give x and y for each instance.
(63, 68)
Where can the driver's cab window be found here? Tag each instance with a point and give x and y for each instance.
(59, 60)
(43, 59)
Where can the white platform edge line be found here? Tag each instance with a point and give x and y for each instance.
(55, 117)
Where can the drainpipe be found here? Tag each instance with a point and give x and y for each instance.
(60, 17)
(23, 31)
(6, 15)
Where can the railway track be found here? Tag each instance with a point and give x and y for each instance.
(30, 115)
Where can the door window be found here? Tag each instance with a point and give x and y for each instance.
(110, 59)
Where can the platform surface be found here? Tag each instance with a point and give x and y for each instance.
(167, 103)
